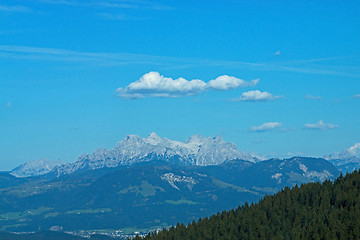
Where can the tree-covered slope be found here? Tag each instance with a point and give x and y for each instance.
(328, 210)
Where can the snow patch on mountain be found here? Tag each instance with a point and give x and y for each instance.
(277, 176)
(321, 176)
(171, 178)
(303, 167)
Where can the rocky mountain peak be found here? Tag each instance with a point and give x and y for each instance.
(35, 168)
(153, 139)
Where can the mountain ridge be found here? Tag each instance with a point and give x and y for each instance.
(347, 160)
(147, 194)
(197, 150)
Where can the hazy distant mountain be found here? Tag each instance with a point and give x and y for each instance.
(35, 168)
(200, 151)
(347, 160)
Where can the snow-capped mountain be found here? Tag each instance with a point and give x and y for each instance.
(133, 149)
(347, 160)
(35, 168)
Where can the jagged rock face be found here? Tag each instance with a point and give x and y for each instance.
(133, 149)
(35, 168)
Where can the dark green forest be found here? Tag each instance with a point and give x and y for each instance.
(328, 210)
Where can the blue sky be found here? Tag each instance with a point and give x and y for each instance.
(277, 78)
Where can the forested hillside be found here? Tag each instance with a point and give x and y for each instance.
(328, 210)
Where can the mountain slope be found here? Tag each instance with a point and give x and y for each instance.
(313, 211)
(274, 174)
(147, 194)
(119, 198)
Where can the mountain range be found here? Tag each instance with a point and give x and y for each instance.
(148, 194)
(347, 160)
(147, 183)
(200, 151)
(197, 150)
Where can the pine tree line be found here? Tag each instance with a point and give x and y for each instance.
(328, 210)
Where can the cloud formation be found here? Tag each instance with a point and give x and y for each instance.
(321, 125)
(226, 82)
(256, 95)
(153, 84)
(9, 104)
(277, 53)
(313, 97)
(356, 96)
(266, 127)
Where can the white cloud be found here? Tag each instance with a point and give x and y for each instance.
(356, 96)
(321, 125)
(266, 126)
(277, 53)
(313, 97)
(153, 84)
(226, 82)
(257, 95)
(9, 104)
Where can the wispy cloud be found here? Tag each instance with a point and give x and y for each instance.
(313, 97)
(153, 84)
(356, 96)
(321, 125)
(54, 54)
(124, 4)
(277, 53)
(256, 96)
(17, 8)
(116, 59)
(266, 127)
